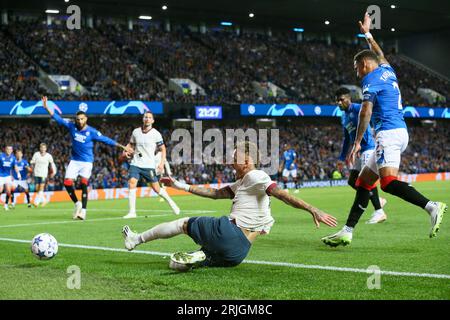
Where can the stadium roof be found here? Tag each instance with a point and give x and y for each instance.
(408, 17)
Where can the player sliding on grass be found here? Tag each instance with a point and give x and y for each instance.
(226, 241)
(382, 102)
(350, 123)
(83, 137)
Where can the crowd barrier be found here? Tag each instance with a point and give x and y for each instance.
(122, 193)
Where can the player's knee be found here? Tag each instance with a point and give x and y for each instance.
(182, 224)
(386, 183)
(68, 182)
(361, 183)
(84, 182)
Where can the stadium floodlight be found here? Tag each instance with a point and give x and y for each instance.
(393, 6)
(327, 22)
(298, 29)
(251, 15)
(51, 11)
(393, 29)
(224, 23)
(66, 1)
(164, 7)
(145, 17)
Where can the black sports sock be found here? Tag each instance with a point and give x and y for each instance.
(406, 192)
(71, 192)
(375, 199)
(27, 194)
(359, 205)
(7, 199)
(12, 197)
(84, 195)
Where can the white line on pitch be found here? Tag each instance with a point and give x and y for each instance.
(269, 263)
(93, 220)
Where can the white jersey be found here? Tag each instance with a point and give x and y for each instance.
(41, 163)
(145, 145)
(251, 203)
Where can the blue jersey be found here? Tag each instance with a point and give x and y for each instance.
(349, 121)
(83, 141)
(7, 164)
(289, 157)
(381, 88)
(22, 166)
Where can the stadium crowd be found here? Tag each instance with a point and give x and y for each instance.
(112, 62)
(317, 145)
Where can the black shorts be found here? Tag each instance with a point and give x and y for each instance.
(148, 174)
(224, 243)
(39, 180)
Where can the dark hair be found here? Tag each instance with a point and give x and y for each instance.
(341, 91)
(366, 54)
(80, 112)
(147, 111)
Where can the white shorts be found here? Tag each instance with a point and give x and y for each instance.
(363, 160)
(21, 183)
(5, 180)
(78, 168)
(389, 146)
(286, 173)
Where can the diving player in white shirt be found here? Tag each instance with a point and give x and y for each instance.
(41, 161)
(145, 141)
(226, 241)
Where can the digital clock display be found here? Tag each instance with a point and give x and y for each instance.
(208, 112)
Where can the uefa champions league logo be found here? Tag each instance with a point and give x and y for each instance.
(412, 111)
(139, 105)
(274, 111)
(20, 110)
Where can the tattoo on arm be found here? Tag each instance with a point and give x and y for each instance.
(376, 48)
(222, 193)
(290, 200)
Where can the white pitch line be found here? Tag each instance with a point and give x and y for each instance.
(269, 263)
(141, 210)
(93, 220)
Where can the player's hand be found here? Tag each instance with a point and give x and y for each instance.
(320, 216)
(44, 102)
(128, 150)
(168, 181)
(351, 157)
(160, 168)
(364, 26)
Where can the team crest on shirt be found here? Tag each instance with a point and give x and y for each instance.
(88, 133)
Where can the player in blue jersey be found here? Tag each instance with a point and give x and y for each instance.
(20, 180)
(288, 165)
(350, 123)
(83, 138)
(382, 103)
(7, 166)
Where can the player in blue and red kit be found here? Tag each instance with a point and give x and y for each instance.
(7, 166)
(288, 166)
(20, 177)
(350, 123)
(382, 103)
(83, 138)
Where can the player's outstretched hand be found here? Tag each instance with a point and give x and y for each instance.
(44, 102)
(320, 216)
(168, 181)
(364, 26)
(351, 157)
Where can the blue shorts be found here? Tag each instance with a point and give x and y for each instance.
(224, 244)
(148, 174)
(39, 180)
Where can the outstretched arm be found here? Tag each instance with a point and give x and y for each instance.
(212, 193)
(44, 104)
(363, 122)
(365, 29)
(317, 214)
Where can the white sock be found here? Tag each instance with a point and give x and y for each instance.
(431, 205)
(164, 230)
(41, 196)
(37, 199)
(163, 194)
(132, 200)
(379, 211)
(348, 229)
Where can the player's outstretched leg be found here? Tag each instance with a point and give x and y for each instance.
(161, 231)
(403, 190)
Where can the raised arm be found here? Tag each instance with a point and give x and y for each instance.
(211, 193)
(44, 104)
(373, 45)
(55, 115)
(317, 214)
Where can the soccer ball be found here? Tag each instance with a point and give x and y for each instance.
(44, 246)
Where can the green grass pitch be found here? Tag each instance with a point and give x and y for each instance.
(400, 244)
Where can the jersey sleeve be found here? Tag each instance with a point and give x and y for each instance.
(261, 181)
(159, 139)
(61, 121)
(97, 136)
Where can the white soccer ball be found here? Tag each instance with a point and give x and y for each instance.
(44, 246)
